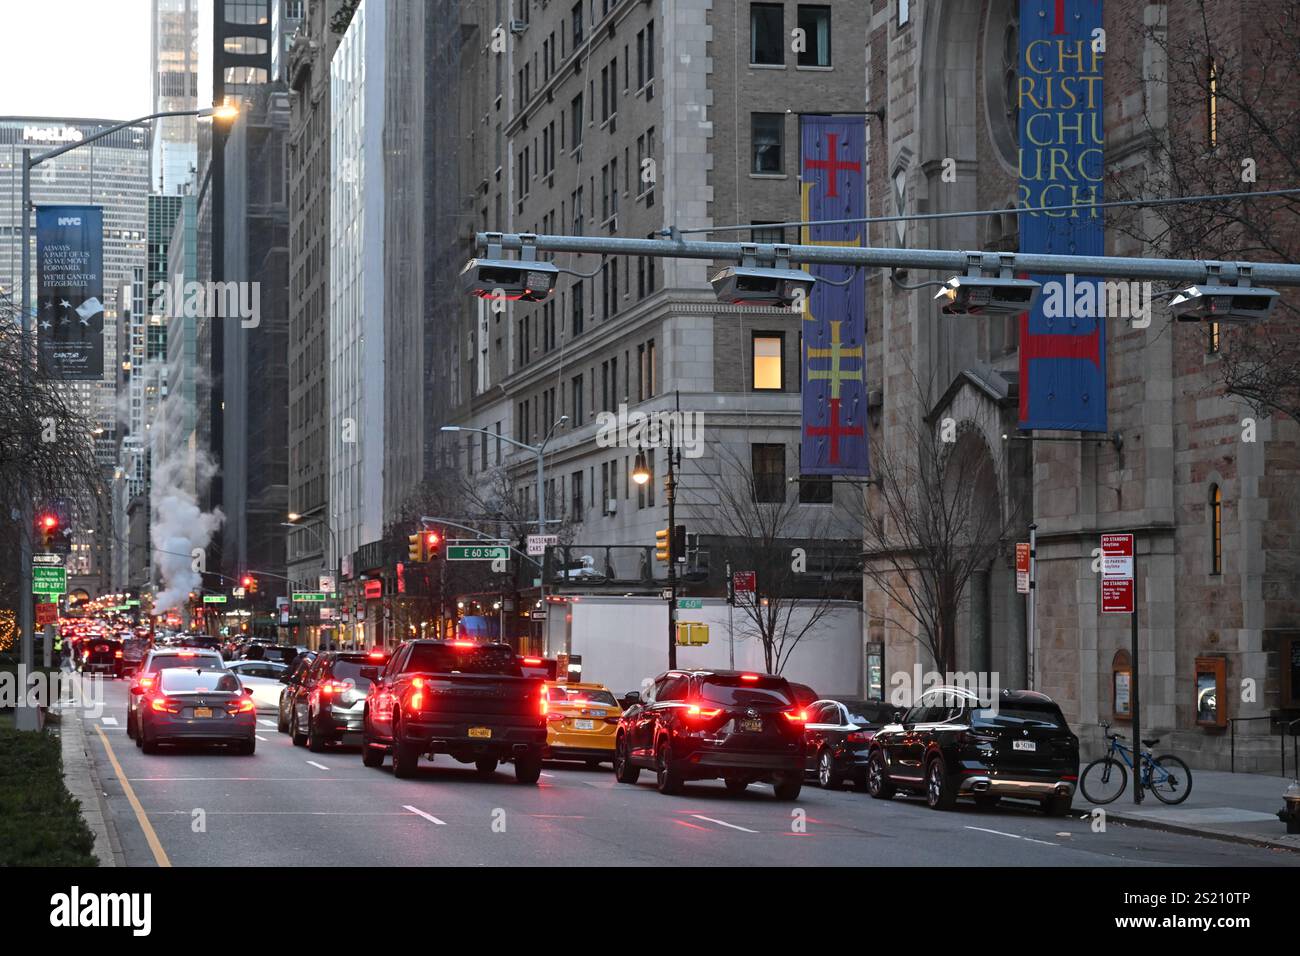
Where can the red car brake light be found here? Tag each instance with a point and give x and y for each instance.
(696, 712)
(165, 704)
(416, 700)
(242, 706)
(532, 661)
(749, 677)
(796, 716)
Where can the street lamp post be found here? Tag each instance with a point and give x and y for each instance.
(537, 450)
(25, 717)
(321, 523)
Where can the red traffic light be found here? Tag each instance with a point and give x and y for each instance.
(431, 539)
(49, 522)
(247, 581)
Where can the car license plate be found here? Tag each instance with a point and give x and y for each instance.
(202, 711)
(1023, 745)
(584, 725)
(752, 725)
(480, 731)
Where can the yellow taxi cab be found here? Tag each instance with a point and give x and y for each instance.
(581, 722)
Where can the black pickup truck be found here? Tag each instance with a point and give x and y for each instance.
(470, 700)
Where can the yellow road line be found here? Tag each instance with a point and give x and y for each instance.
(159, 854)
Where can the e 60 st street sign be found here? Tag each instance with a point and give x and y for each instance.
(476, 552)
(49, 580)
(309, 597)
(214, 599)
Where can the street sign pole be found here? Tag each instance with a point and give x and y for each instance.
(1032, 602)
(1136, 697)
(731, 620)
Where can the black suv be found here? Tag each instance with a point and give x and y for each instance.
(292, 680)
(702, 725)
(949, 745)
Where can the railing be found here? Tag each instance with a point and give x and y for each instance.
(1287, 727)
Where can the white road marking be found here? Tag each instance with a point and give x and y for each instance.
(1014, 836)
(266, 723)
(722, 823)
(420, 813)
(318, 766)
(545, 774)
(260, 737)
(108, 721)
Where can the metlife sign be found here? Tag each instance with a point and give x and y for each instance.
(53, 135)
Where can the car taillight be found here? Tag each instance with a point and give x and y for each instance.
(749, 677)
(796, 716)
(696, 712)
(118, 654)
(545, 702)
(611, 720)
(331, 687)
(555, 718)
(165, 704)
(416, 700)
(243, 706)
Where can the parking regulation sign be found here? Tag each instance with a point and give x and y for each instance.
(1117, 574)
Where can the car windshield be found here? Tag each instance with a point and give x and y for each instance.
(574, 695)
(473, 659)
(183, 680)
(736, 690)
(1021, 715)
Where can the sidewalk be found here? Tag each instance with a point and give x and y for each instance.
(1241, 807)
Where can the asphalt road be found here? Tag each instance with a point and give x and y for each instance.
(286, 806)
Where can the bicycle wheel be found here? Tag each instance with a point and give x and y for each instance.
(1103, 780)
(1172, 782)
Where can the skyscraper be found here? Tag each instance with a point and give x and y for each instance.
(175, 79)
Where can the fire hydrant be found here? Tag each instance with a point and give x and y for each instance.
(1290, 814)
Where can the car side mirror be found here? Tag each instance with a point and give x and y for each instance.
(248, 691)
(370, 673)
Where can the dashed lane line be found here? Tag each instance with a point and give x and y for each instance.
(420, 813)
(722, 823)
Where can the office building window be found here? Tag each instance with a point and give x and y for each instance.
(815, 22)
(766, 34)
(767, 463)
(767, 369)
(766, 134)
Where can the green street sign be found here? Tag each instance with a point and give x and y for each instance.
(214, 599)
(132, 603)
(690, 604)
(306, 597)
(47, 580)
(477, 552)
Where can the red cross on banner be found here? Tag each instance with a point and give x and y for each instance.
(834, 431)
(832, 165)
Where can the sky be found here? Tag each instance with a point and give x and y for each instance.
(75, 58)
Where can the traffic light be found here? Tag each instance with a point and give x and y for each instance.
(415, 548)
(46, 525)
(661, 544)
(679, 543)
(432, 544)
(249, 583)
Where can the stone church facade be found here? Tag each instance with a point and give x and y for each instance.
(1208, 487)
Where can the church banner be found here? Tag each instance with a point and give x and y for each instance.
(1063, 338)
(70, 290)
(833, 364)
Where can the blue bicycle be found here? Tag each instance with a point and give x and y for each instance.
(1106, 778)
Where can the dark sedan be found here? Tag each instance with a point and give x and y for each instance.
(102, 655)
(954, 744)
(198, 705)
(838, 735)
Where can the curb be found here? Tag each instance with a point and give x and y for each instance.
(83, 783)
(1248, 839)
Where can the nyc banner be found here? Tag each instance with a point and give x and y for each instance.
(1063, 355)
(833, 186)
(69, 291)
